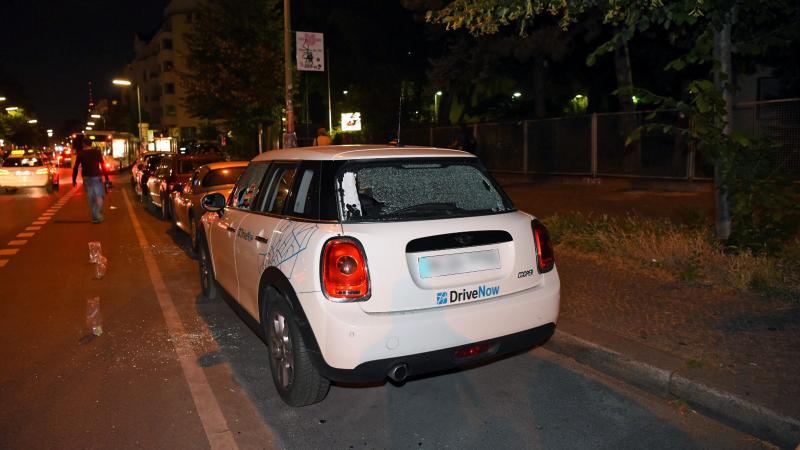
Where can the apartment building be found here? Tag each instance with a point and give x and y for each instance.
(159, 58)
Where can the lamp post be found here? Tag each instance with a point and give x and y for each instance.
(124, 82)
(436, 106)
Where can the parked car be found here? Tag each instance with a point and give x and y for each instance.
(28, 168)
(360, 263)
(145, 164)
(215, 177)
(171, 175)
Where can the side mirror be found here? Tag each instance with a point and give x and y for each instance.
(213, 202)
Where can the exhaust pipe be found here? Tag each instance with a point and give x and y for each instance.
(399, 372)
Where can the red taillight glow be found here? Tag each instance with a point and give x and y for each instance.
(108, 166)
(345, 276)
(473, 350)
(545, 257)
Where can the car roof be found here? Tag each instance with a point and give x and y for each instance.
(348, 152)
(225, 164)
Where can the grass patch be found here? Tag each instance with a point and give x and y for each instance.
(688, 252)
(694, 364)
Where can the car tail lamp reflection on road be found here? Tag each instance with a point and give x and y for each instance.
(545, 257)
(345, 277)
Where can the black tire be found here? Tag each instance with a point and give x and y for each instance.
(295, 378)
(193, 232)
(49, 188)
(165, 215)
(148, 202)
(208, 282)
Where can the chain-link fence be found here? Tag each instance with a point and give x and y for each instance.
(595, 145)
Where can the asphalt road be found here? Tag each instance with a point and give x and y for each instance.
(193, 376)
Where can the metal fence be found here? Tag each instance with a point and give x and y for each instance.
(594, 145)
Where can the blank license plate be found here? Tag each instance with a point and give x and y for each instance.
(443, 265)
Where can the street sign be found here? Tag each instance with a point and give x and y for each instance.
(310, 51)
(351, 121)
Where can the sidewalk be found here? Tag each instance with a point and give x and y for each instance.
(730, 355)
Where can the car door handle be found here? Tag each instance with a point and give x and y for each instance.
(230, 228)
(263, 240)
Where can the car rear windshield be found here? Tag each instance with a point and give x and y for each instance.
(219, 177)
(409, 189)
(189, 165)
(28, 161)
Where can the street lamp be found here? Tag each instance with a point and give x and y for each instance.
(436, 106)
(95, 116)
(124, 82)
(91, 124)
(12, 108)
(2, 99)
(32, 121)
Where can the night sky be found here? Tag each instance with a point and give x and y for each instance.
(51, 49)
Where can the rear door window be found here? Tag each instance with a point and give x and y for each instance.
(219, 177)
(278, 187)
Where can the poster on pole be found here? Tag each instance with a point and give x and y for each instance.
(351, 121)
(310, 51)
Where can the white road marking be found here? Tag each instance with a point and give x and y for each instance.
(19, 242)
(39, 222)
(3, 262)
(22, 235)
(216, 427)
(8, 251)
(33, 228)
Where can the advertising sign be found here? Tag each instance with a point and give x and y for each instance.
(310, 51)
(351, 121)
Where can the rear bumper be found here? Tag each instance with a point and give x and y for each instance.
(352, 345)
(438, 360)
(24, 181)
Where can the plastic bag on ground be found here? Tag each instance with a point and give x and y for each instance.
(94, 251)
(100, 267)
(94, 320)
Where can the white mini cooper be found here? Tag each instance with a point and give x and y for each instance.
(358, 263)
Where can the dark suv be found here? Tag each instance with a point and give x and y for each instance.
(172, 172)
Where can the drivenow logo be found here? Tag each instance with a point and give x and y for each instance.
(464, 295)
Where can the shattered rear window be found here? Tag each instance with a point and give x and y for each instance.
(393, 190)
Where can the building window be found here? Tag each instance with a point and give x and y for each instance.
(166, 44)
(169, 88)
(167, 66)
(169, 110)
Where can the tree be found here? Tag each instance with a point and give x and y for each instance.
(235, 61)
(715, 27)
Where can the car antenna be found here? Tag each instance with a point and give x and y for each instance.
(400, 115)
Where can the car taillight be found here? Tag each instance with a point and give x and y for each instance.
(545, 258)
(41, 171)
(108, 166)
(345, 277)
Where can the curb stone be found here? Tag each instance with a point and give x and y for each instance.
(667, 382)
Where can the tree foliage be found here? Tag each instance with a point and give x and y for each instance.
(235, 62)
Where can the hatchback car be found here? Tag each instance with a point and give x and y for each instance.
(25, 169)
(185, 204)
(358, 263)
(171, 174)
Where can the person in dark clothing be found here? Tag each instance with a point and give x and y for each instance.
(92, 171)
(465, 141)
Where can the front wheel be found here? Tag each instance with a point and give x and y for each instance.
(295, 378)
(208, 281)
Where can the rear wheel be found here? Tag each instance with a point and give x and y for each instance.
(295, 378)
(49, 188)
(208, 281)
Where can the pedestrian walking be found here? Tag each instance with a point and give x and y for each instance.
(92, 172)
(322, 138)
